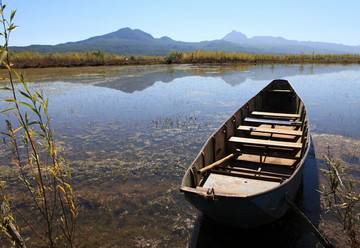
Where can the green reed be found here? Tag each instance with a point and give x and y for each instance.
(44, 174)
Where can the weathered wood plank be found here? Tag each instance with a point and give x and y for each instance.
(283, 91)
(270, 130)
(272, 114)
(275, 152)
(217, 163)
(262, 142)
(273, 122)
(248, 175)
(256, 172)
(266, 159)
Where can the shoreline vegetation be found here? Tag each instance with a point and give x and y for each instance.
(29, 59)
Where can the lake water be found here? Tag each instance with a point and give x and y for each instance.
(131, 132)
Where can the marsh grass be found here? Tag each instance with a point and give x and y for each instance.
(50, 205)
(28, 59)
(341, 198)
(203, 56)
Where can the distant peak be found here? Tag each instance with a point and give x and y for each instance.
(237, 33)
(235, 36)
(130, 34)
(125, 29)
(166, 38)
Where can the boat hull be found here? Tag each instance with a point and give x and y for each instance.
(237, 190)
(247, 212)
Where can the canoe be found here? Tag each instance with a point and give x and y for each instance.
(249, 168)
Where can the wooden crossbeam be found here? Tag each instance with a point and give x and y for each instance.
(219, 162)
(273, 122)
(270, 130)
(282, 91)
(276, 153)
(256, 172)
(264, 159)
(271, 114)
(248, 175)
(267, 143)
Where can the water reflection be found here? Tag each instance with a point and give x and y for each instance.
(287, 232)
(140, 80)
(130, 132)
(309, 198)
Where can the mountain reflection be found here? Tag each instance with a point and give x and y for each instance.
(142, 78)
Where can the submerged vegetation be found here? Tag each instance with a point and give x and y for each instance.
(29, 59)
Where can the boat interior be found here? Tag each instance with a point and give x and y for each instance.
(256, 149)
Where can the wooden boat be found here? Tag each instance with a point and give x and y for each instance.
(254, 162)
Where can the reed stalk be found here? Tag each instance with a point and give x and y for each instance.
(341, 199)
(42, 171)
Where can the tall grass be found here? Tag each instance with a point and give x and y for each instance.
(341, 198)
(43, 173)
(203, 56)
(29, 59)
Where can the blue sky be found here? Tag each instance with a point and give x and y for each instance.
(55, 21)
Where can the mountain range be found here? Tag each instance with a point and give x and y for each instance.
(127, 41)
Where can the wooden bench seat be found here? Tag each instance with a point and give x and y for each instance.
(275, 115)
(271, 152)
(252, 175)
(270, 130)
(281, 91)
(273, 122)
(263, 159)
(267, 143)
(256, 172)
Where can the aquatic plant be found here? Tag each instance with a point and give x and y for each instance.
(340, 197)
(50, 205)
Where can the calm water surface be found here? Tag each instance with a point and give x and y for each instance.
(131, 132)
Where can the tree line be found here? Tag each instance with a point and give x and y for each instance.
(29, 59)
